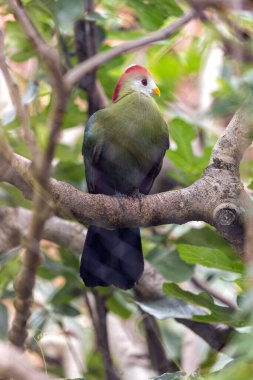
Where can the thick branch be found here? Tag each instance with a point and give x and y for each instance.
(14, 221)
(177, 206)
(217, 198)
(203, 200)
(72, 235)
(15, 365)
(236, 138)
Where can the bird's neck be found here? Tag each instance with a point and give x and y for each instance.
(123, 93)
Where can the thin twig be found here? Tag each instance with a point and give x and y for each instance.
(203, 286)
(91, 313)
(102, 338)
(242, 34)
(157, 353)
(86, 47)
(74, 75)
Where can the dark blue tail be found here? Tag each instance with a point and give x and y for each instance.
(112, 257)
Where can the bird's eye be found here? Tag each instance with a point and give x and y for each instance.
(144, 82)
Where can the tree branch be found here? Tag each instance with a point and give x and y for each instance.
(102, 337)
(72, 235)
(39, 176)
(217, 198)
(73, 76)
(16, 366)
(156, 349)
(203, 286)
(47, 53)
(236, 138)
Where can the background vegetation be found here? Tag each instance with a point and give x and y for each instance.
(204, 71)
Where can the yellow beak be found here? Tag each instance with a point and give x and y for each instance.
(156, 91)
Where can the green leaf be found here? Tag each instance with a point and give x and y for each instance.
(67, 293)
(170, 307)
(13, 197)
(38, 320)
(169, 264)
(69, 258)
(118, 305)
(250, 186)
(95, 365)
(9, 269)
(170, 376)
(53, 268)
(69, 171)
(201, 299)
(241, 368)
(3, 321)
(204, 237)
(66, 309)
(211, 257)
(188, 167)
(67, 12)
(167, 69)
(19, 45)
(183, 134)
(152, 13)
(74, 117)
(218, 314)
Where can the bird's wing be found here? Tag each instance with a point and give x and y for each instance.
(149, 179)
(156, 168)
(92, 147)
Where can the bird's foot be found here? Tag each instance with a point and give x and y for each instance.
(120, 196)
(137, 195)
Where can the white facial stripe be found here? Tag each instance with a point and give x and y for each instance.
(152, 84)
(138, 86)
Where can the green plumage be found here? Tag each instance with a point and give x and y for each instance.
(123, 150)
(126, 143)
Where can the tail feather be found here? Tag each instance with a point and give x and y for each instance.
(112, 257)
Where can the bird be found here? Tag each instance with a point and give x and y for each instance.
(123, 150)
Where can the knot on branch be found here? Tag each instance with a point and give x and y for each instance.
(17, 335)
(226, 214)
(220, 164)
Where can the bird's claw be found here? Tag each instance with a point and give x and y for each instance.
(137, 195)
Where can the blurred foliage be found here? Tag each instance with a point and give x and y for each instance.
(176, 252)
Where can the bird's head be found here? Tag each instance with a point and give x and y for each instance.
(135, 78)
